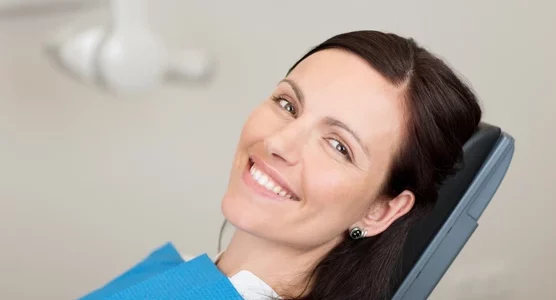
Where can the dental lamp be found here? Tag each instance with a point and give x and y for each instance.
(126, 56)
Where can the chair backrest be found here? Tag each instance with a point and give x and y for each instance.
(434, 242)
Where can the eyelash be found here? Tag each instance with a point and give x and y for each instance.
(278, 99)
(347, 155)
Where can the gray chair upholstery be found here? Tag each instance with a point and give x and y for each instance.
(434, 242)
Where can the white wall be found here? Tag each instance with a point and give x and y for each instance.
(90, 183)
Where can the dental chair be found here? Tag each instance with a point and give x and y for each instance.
(433, 244)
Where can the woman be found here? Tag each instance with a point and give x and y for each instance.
(332, 169)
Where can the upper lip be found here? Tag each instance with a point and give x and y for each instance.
(274, 174)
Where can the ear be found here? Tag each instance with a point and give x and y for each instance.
(384, 212)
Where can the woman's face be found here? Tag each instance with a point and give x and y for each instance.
(312, 158)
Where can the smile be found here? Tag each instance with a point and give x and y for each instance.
(265, 182)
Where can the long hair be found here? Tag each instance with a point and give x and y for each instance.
(442, 113)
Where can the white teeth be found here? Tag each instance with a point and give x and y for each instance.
(269, 185)
(263, 180)
(266, 182)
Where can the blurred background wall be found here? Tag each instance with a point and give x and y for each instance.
(91, 182)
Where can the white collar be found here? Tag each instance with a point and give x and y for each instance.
(251, 287)
(248, 285)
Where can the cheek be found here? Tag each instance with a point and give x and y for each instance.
(333, 192)
(258, 125)
(336, 193)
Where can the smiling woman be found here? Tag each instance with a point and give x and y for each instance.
(334, 167)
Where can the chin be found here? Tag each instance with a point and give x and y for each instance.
(247, 215)
(251, 208)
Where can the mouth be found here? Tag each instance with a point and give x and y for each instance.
(268, 184)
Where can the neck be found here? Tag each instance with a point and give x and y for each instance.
(286, 269)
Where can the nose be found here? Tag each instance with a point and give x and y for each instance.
(287, 143)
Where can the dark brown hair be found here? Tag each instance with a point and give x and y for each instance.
(442, 114)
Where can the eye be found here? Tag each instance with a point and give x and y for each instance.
(338, 146)
(286, 105)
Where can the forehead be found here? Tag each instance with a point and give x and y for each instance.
(343, 85)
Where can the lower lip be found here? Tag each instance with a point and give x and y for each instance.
(259, 189)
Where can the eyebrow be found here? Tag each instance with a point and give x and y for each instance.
(296, 90)
(330, 121)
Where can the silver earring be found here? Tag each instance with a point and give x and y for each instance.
(357, 233)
